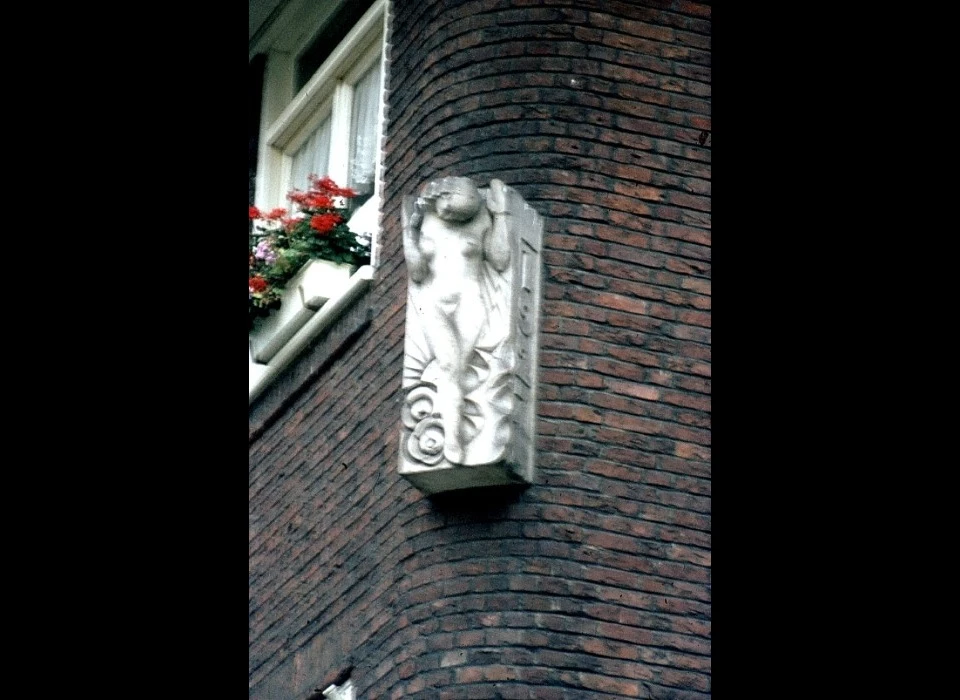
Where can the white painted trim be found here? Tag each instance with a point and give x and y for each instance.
(327, 315)
(365, 35)
(381, 118)
(276, 94)
(315, 283)
(311, 123)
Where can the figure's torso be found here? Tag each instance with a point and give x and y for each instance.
(454, 253)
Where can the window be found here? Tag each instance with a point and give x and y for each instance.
(320, 111)
(323, 104)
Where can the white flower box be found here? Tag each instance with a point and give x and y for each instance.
(317, 281)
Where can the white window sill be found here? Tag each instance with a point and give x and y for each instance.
(310, 305)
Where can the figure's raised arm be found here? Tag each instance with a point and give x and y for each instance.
(496, 245)
(411, 215)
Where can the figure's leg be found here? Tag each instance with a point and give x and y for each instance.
(469, 319)
(446, 346)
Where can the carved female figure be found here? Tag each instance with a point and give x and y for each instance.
(453, 242)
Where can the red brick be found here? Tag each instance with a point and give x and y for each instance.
(640, 391)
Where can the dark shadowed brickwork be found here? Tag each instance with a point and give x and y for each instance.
(595, 581)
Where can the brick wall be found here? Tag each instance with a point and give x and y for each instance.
(595, 581)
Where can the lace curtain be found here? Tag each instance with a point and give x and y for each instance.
(363, 131)
(312, 157)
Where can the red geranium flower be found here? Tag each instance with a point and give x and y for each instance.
(329, 186)
(324, 223)
(296, 196)
(310, 228)
(324, 183)
(319, 201)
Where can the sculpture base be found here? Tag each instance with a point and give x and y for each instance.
(452, 477)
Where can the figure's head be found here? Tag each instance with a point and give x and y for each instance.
(453, 198)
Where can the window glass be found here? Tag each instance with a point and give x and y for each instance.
(363, 133)
(313, 157)
(331, 35)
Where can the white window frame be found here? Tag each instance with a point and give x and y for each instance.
(288, 120)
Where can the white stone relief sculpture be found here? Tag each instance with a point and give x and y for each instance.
(473, 257)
